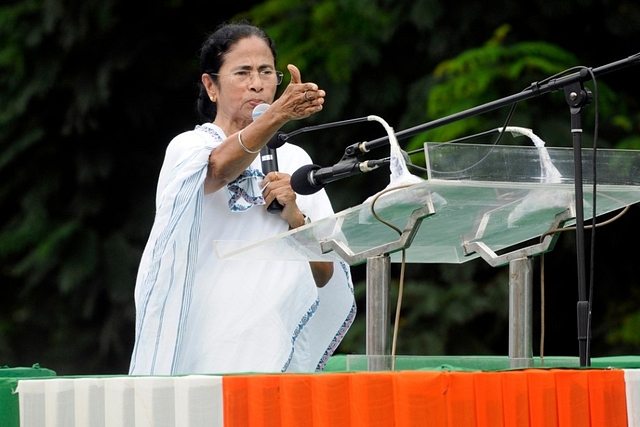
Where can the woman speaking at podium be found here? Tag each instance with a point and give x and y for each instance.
(196, 313)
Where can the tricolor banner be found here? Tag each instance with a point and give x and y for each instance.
(523, 398)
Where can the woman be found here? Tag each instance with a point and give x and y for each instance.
(196, 313)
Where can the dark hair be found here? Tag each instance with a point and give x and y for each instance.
(212, 56)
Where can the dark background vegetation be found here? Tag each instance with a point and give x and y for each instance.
(92, 91)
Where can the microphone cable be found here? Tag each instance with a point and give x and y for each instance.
(395, 150)
(396, 321)
(502, 130)
(593, 219)
(542, 294)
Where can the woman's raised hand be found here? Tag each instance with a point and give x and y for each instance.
(299, 100)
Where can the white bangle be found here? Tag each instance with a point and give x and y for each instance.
(243, 146)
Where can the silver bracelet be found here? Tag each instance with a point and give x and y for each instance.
(243, 146)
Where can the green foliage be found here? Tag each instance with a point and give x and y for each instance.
(438, 318)
(495, 71)
(57, 164)
(332, 42)
(91, 93)
(629, 143)
(629, 333)
(484, 74)
(338, 36)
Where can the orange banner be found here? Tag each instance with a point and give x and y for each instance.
(522, 398)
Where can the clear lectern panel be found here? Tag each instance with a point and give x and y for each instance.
(498, 195)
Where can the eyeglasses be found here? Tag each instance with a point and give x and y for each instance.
(243, 77)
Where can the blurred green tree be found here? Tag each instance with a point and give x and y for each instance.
(91, 92)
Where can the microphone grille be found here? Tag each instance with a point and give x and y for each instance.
(277, 140)
(300, 180)
(258, 110)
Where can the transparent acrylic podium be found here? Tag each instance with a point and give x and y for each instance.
(494, 202)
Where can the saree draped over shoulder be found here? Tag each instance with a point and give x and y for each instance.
(196, 313)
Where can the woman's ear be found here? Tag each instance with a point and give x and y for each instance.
(210, 86)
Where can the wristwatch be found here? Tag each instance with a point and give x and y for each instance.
(307, 220)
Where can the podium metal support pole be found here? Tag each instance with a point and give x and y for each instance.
(520, 287)
(378, 259)
(378, 316)
(520, 312)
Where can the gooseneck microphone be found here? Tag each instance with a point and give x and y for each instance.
(310, 179)
(280, 137)
(268, 155)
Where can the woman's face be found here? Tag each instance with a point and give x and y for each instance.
(240, 87)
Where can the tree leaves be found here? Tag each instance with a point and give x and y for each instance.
(91, 92)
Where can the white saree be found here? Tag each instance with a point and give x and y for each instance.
(198, 314)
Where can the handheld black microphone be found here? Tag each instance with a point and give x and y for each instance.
(310, 179)
(268, 155)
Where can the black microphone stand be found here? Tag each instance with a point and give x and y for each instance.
(577, 97)
(535, 89)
